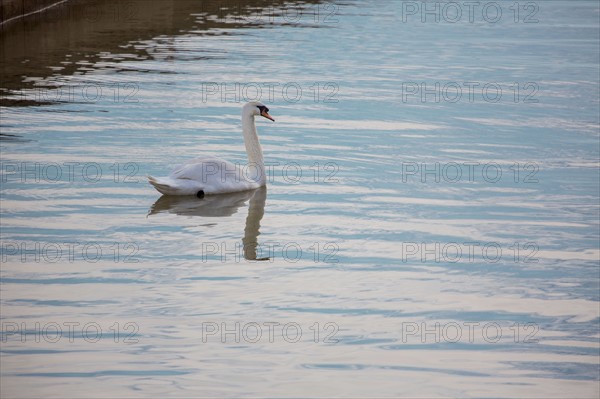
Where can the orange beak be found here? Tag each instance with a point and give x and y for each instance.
(266, 115)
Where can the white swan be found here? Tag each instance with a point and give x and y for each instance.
(210, 175)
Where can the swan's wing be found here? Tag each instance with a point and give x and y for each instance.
(208, 164)
(213, 175)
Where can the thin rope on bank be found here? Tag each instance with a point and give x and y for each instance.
(33, 12)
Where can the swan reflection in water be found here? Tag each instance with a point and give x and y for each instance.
(221, 206)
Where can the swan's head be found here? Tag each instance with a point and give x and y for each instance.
(257, 108)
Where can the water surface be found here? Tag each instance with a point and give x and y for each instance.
(411, 242)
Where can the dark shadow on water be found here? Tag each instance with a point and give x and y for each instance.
(223, 205)
(13, 138)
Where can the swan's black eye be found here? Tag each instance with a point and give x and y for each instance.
(262, 108)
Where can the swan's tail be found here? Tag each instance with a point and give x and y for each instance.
(163, 187)
(171, 186)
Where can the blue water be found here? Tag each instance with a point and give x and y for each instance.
(430, 226)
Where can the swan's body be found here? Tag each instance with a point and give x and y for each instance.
(210, 175)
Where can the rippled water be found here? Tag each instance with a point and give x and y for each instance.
(411, 241)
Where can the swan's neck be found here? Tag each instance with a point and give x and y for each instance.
(253, 148)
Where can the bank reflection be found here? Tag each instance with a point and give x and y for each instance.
(223, 205)
(82, 36)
